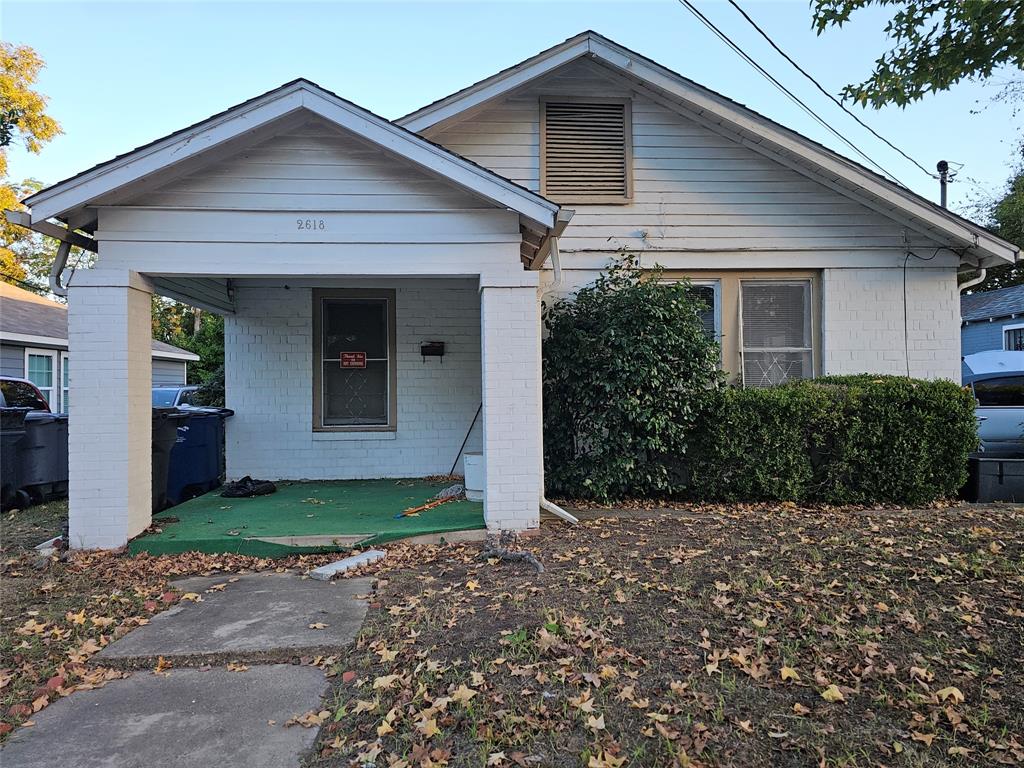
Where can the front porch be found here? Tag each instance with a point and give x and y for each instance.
(311, 517)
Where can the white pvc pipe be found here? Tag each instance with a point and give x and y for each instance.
(557, 511)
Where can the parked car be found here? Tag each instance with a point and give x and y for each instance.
(172, 397)
(997, 380)
(21, 393)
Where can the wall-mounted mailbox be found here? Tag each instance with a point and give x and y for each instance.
(432, 349)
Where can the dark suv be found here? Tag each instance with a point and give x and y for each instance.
(21, 393)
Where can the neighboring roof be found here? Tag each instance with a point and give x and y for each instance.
(242, 120)
(985, 305)
(741, 123)
(29, 319)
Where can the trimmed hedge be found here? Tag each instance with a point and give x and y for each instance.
(836, 440)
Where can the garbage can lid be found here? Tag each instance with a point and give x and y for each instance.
(40, 417)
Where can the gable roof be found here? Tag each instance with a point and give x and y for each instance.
(976, 245)
(246, 119)
(986, 305)
(27, 318)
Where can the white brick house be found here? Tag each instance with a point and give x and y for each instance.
(337, 243)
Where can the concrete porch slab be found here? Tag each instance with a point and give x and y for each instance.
(267, 615)
(188, 718)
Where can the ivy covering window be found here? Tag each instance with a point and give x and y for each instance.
(354, 360)
(776, 332)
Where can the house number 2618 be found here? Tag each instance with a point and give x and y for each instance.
(310, 224)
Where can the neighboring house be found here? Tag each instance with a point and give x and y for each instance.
(34, 346)
(338, 244)
(992, 320)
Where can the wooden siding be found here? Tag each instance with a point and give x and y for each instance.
(311, 168)
(693, 188)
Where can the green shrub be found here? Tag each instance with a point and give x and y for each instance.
(628, 373)
(634, 407)
(836, 440)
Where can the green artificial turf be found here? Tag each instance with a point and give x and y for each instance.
(213, 524)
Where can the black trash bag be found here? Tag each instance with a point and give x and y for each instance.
(247, 487)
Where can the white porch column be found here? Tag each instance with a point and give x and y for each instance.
(510, 365)
(109, 451)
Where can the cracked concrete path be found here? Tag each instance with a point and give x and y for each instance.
(202, 716)
(185, 718)
(260, 613)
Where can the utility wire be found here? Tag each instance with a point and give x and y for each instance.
(821, 88)
(792, 96)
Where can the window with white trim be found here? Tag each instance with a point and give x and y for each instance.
(41, 370)
(586, 148)
(776, 331)
(65, 383)
(1013, 338)
(354, 360)
(709, 293)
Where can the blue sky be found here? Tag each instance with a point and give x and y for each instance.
(121, 74)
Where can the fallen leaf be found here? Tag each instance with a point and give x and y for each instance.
(788, 673)
(832, 694)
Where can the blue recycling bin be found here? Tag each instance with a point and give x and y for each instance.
(197, 458)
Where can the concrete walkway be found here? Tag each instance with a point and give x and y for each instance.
(205, 715)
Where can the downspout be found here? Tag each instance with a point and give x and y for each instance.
(556, 264)
(974, 280)
(545, 504)
(58, 268)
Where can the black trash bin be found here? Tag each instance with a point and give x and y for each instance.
(12, 434)
(165, 433)
(44, 456)
(197, 459)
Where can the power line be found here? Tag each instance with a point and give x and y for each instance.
(792, 96)
(821, 88)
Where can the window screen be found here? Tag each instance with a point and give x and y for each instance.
(1014, 340)
(586, 151)
(355, 362)
(776, 331)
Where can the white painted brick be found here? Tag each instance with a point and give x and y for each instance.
(109, 440)
(269, 369)
(862, 322)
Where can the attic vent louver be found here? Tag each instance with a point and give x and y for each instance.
(585, 151)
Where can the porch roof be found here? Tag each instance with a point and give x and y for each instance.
(70, 200)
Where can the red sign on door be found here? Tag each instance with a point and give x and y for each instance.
(353, 359)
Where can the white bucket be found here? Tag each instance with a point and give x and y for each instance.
(473, 468)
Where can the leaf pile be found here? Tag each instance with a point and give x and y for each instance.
(729, 635)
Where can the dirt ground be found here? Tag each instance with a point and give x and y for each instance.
(741, 636)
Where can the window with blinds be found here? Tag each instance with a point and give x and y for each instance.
(585, 151)
(776, 332)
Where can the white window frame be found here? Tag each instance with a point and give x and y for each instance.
(53, 399)
(65, 386)
(811, 299)
(716, 285)
(1013, 327)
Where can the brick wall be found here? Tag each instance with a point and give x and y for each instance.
(109, 440)
(512, 412)
(269, 361)
(863, 326)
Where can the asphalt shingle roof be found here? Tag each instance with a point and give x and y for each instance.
(26, 313)
(989, 304)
